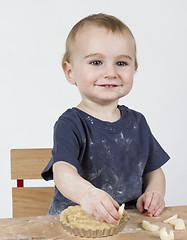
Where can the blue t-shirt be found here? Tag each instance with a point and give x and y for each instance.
(112, 156)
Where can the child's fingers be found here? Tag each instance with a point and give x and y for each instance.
(157, 204)
(116, 205)
(154, 204)
(140, 204)
(113, 215)
(159, 210)
(100, 205)
(106, 211)
(148, 200)
(103, 215)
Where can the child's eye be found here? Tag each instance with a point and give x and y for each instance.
(121, 63)
(96, 63)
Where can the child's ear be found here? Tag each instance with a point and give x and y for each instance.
(67, 67)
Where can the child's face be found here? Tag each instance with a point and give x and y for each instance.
(102, 64)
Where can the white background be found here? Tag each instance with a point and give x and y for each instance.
(34, 91)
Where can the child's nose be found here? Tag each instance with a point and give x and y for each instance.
(110, 72)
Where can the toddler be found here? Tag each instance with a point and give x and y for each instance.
(104, 154)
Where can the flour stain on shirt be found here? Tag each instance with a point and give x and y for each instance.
(121, 135)
(83, 139)
(107, 148)
(90, 119)
(119, 138)
(103, 141)
(90, 143)
(128, 140)
(135, 126)
(94, 175)
(140, 168)
(122, 140)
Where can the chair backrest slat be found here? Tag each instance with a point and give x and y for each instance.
(29, 163)
(31, 201)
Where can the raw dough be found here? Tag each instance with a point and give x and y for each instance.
(165, 236)
(76, 217)
(178, 223)
(170, 219)
(121, 209)
(149, 227)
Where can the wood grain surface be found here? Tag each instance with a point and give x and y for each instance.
(49, 227)
(29, 163)
(31, 201)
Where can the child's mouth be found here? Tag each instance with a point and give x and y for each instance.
(108, 85)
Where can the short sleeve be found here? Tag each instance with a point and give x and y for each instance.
(157, 156)
(65, 148)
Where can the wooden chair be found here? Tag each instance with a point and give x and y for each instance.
(28, 164)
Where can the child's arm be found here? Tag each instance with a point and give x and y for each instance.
(97, 203)
(152, 199)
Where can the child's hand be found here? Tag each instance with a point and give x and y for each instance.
(151, 201)
(100, 206)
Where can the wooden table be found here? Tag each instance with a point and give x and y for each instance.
(49, 227)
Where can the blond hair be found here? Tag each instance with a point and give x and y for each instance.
(101, 20)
